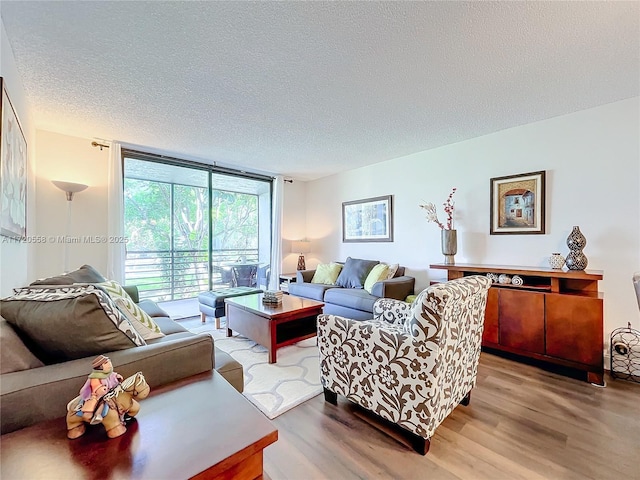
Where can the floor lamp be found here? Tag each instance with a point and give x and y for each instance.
(69, 188)
(301, 247)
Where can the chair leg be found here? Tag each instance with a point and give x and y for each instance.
(217, 323)
(203, 317)
(330, 397)
(467, 398)
(419, 444)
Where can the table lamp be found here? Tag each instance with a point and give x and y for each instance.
(301, 247)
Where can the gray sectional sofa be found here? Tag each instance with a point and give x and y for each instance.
(352, 302)
(32, 391)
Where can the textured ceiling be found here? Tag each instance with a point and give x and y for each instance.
(308, 89)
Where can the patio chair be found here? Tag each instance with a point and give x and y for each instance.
(244, 275)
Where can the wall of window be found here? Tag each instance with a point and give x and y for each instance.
(188, 225)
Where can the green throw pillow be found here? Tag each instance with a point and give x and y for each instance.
(377, 273)
(141, 321)
(327, 273)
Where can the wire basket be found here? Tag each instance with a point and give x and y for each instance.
(625, 353)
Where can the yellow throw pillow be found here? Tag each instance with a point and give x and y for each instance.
(141, 321)
(377, 273)
(327, 273)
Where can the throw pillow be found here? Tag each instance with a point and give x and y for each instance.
(327, 273)
(393, 268)
(141, 321)
(69, 323)
(14, 355)
(377, 273)
(355, 272)
(416, 311)
(84, 274)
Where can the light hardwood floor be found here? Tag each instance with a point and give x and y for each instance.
(522, 423)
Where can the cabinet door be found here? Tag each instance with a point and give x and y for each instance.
(490, 333)
(574, 328)
(521, 320)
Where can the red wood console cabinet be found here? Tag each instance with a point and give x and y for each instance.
(555, 316)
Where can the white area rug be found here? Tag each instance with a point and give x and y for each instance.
(277, 387)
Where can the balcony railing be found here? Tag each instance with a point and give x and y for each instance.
(162, 275)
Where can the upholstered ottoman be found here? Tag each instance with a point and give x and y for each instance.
(212, 302)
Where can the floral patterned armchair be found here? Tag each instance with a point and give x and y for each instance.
(413, 363)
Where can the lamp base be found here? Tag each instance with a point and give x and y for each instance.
(301, 265)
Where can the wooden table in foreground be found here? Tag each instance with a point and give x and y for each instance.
(199, 427)
(273, 326)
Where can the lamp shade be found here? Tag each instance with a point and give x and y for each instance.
(302, 246)
(69, 187)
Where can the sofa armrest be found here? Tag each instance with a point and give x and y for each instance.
(391, 311)
(398, 288)
(132, 290)
(304, 276)
(152, 309)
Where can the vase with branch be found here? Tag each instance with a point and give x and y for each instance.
(449, 235)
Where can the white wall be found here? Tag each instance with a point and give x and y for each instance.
(294, 224)
(592, 160)
(16, 258)
(71, 159)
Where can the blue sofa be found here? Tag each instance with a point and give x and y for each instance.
(354, 303)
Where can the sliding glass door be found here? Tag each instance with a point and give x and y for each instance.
(191, 227)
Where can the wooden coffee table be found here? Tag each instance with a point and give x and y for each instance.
(273, 326)
(198, 427)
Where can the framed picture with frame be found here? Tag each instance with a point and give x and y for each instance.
(368, 220)
(518, 204)
(13, 170)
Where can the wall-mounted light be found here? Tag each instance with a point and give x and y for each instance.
(301, 247)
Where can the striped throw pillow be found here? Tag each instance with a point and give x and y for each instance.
(140, 319)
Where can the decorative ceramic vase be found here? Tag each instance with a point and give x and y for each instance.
(556, 260)
(576, 260)
(449, 240)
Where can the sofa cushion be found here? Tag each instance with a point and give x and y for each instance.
(331, 309)
(314, 291)
(140, 320)
(357, 299)
(354, 272)
(327, 273)
(14, 355)
(84, 274)
(378, 272)
(67, 323)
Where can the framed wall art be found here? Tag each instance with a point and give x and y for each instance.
(518, 204)
(369, 220)
(13, 171)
